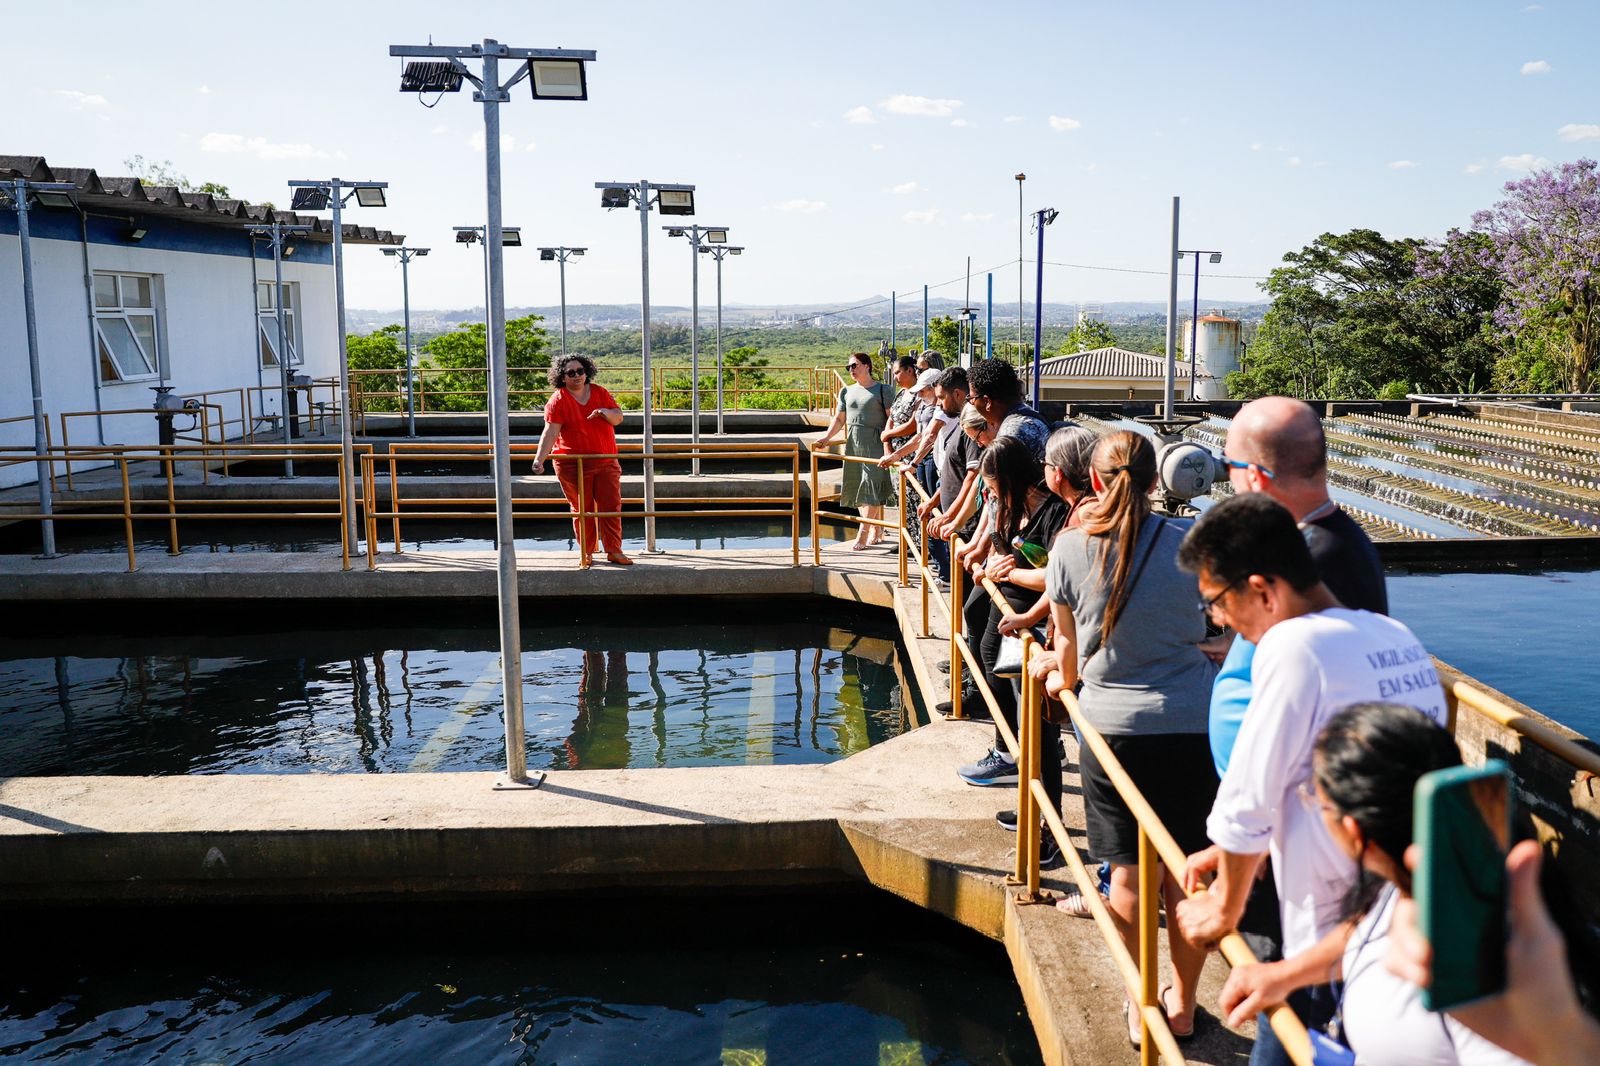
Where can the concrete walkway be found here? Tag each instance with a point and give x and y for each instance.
(894, 815)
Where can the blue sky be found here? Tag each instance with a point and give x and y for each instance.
(853, 147)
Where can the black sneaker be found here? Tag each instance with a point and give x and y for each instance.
(972, 705)
(1007, 820)
(1050, 857)
(991, 771)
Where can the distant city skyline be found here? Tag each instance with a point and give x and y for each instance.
(853, 149)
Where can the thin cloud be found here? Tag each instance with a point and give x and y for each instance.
(1061, 124)
(1574, 131)
(877, 148)
(1294, 161)
(1256, 147)
(79, 101)
(959, 122)
(1474, 168)
(260, 147)
(860, 116)
(1011, 119)
(1404, 164)
(1534, 7)
(978, 216)
(921, 218)
(926, 106)
(1535, 66)
(204, 90)
(1521, 164)
(800, 207)
(907, 187)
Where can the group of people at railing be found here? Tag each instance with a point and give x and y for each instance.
(1243, 672)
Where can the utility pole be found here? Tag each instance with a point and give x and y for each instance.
(1194, 315)
(719, 252)
(273, 235)
(1169, 409)
(405, 256)
(560, 254)
(1021, 258)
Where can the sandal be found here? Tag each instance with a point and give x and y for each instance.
(1177, 1034)
(1135, 1029)
(1074, 904)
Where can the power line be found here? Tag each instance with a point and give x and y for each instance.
(1156, 273)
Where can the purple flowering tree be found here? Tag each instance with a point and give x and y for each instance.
(1545, 240)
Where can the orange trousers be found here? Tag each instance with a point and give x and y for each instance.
(602, 491)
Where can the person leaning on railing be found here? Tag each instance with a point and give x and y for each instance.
(1313, 657)
(862, 412)
(580, 418)
(955, 457)
(903, 409)
(1125, 629)
(1365, 767)
(974, 530)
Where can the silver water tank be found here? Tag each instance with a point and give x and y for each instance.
(1217, 345)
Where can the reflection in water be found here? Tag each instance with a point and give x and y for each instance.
(383, 701)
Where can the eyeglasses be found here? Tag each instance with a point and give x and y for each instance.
(852, 366)
(1235, 464)
(574, 372)
(1210, 604)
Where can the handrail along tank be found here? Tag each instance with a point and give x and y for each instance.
(1217, 347)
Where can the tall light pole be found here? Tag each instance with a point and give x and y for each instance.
(1042, 218)
(554, 74)
(560, 255)
(17, 194)
(1169, 409)
(510, 237)
(274, 236)
(1194, 316)
(317, 196)
(719, 252)
(924, 318)
(671, 200)
(699, 237)
(406, 255)
(1021, 258)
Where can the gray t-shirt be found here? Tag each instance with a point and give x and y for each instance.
(1150, 678)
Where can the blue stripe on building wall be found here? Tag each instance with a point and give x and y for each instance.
(162, 234)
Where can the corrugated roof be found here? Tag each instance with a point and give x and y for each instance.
(131, 194)
(1110, 363)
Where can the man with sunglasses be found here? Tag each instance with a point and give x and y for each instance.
(1276, 447)
(1313, 656)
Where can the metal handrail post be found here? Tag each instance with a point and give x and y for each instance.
(585, 559)
(904, 578)
(394, 500)
(1149, 958)
(127, 510)
(172, 502)
(794, 524)
(956, 574)
(1028, 772)
(369, 499)
(344, 526)
(816, 543)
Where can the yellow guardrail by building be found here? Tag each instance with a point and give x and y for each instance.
(48, 443)
(202, 414)
(414, 507)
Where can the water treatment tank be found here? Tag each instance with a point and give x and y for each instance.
(1218, 348)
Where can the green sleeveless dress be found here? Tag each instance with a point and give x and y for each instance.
(866, 413)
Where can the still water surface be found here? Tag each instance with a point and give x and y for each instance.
(850, 979)
(603, 691)
(1534, 635)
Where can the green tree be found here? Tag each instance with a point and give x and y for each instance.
(380, 350)
(1087, 335)
(461, 353)
(160, 172)
(944, 337)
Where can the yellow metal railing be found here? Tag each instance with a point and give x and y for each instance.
(1140, 975)
(48, 443)
(202, 415)
(173, 507)
(434, 507)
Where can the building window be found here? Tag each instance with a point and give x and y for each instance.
(267, 322)
(125, 326)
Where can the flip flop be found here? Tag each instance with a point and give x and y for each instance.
(1074, 904)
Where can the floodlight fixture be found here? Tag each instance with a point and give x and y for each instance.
(547, 255)
(310, 198)
(616, 195)
(717, 236)
(1216, 257)
(55, 198)
(1048, 215)
(511, 237)
(466, 235)
(422, 251)
(371, 196)
(137, 234)
(674, 231)
(288, 250)
(435, 77)
(576, 251)
(388, 251)
(558, 79)
(736, 250)
(676, 201)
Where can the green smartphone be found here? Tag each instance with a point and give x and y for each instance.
(1463, 827)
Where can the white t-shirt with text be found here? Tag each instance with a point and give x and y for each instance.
(1306, 669)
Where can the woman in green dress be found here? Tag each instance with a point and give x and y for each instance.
(862, 413)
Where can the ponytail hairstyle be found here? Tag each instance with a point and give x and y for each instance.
(1126, 464)
(1011, 465)
(1367, 761)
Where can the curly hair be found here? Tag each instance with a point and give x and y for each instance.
(560, 362)
(994, 379)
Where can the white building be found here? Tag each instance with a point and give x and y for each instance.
(143, 286)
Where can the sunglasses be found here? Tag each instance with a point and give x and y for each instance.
(574, 372)
(852, 366)
(1235, 464)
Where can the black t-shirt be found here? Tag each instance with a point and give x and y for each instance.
(961, 454)
(1043, 524)
(1347, 562)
